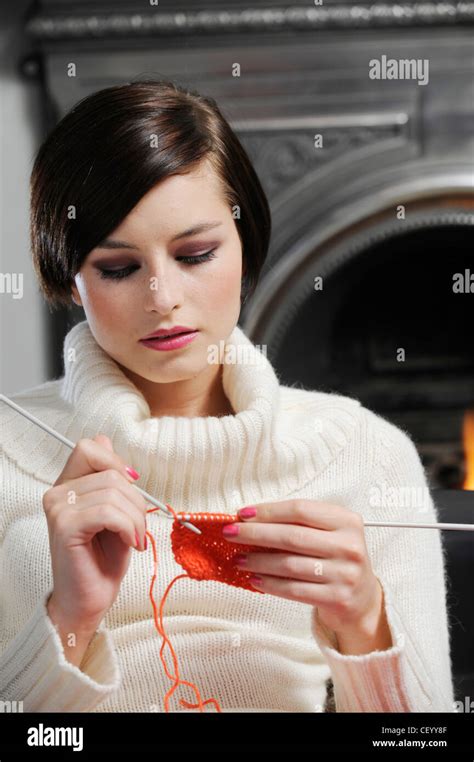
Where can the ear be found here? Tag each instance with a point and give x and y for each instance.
(75, 296)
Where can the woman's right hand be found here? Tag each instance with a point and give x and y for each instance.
(94, 517)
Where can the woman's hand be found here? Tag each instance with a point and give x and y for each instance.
(94, 517)
(323, 562)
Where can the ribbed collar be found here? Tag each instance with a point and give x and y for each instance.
(268, 449)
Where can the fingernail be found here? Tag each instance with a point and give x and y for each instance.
(132, 472)
(247, 513)
(145, 541)
(137, 541)
(230, 530)
(255, 580)
(240, 559)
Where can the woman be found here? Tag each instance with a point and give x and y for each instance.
(147, 212)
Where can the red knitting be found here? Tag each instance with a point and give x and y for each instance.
(205, 556)
(209, 555)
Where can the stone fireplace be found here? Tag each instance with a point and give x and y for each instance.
(371, 313)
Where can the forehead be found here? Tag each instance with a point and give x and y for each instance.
(192, 197)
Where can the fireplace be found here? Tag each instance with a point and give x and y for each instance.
(382, 312)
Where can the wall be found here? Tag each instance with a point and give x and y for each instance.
(23, 339)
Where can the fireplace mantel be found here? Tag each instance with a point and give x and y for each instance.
(72, 19)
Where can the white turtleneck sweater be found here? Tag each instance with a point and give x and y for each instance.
(252, 652)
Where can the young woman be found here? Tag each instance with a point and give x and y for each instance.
(147, 212)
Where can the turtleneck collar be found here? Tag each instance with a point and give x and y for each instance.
(171, 450)
(269, 448)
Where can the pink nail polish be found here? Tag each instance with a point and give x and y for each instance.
(255, 580)
(137, 541)
(241, 559)
(132, 472)
(247, 513)
(230, 530)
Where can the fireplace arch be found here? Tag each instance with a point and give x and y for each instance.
(386, 327)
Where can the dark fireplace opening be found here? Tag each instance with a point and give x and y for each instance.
(392, 327)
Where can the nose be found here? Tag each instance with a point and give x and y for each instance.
(163, 288)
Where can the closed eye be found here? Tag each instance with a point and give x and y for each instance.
(123, 272)
(199, 258)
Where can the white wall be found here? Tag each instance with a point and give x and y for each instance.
(23, 340)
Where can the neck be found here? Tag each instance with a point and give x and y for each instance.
(200, 396)
(278, 440)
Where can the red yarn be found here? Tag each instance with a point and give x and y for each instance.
(206, 556)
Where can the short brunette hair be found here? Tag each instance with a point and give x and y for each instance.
(98, 162)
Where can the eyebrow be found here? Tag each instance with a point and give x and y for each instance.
(109, 243)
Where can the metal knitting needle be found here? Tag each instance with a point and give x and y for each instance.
(71, 445)
(434, 525)
(168, 514)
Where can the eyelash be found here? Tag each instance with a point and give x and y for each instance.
(125, 271)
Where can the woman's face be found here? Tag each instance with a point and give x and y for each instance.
(160, 289)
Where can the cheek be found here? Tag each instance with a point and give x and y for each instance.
(224, 287)
(103, 302)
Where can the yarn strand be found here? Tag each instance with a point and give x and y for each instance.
(158, 620)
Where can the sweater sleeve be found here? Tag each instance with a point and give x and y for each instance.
(34, 669)
(414, 674)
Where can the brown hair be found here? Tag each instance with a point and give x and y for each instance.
(97, 162)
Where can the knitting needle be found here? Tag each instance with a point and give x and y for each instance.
(71, 445)
(434, 525)
(168, 514)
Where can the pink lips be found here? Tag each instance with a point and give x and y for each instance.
(172, 342)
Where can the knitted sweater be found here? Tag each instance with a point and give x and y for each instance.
(253, 652)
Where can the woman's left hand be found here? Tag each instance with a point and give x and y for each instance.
(323, 561)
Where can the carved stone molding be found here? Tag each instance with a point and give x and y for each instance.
(105, 25)
(282, 158)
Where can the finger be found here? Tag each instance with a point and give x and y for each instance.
(89, 456)
(313, 513)
(295, 590)
(289, 566)
(107, 479)
(292, 537)
(97, 518)
(119, 502)
(105, 441)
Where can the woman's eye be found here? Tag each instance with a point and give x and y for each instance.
(125, 271)
(198, 258)
(122, 273)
